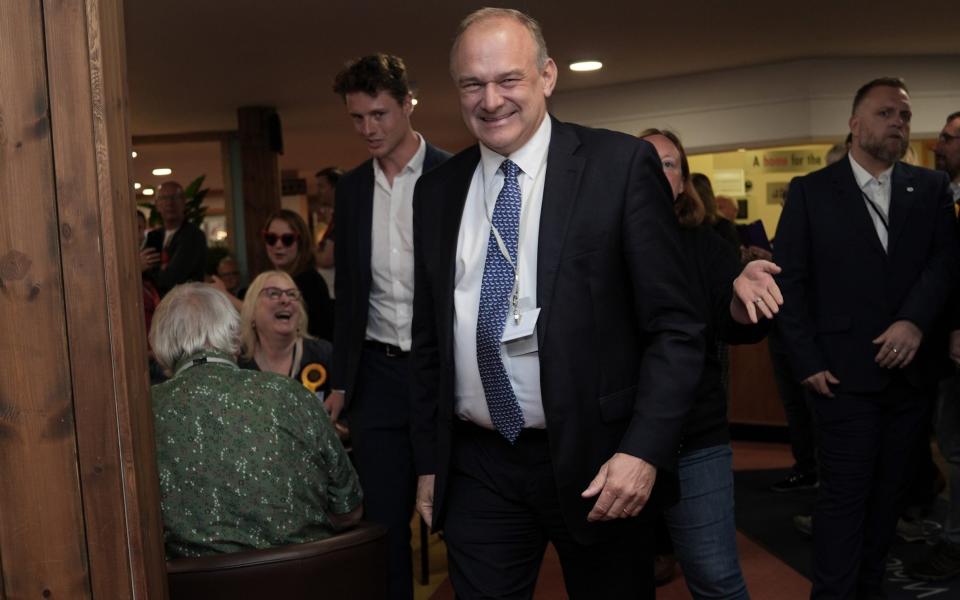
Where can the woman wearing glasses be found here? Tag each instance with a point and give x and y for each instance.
(289, 249)
(273, 329)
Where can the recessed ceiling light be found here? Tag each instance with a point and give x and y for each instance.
(586, 65)
(148, 192)
(162, 171)
(136, 185)
(741, 149)
(133, 154)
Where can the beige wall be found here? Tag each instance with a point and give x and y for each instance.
(768, 170)
(798, 102)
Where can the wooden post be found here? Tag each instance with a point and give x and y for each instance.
(261, 179)
(233, 202)
(79, 499)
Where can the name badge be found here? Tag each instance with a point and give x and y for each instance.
(520, 336)
(525, 327)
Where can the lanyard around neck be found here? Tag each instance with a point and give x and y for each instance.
(196, 362)
(502, 246)
(876, 210)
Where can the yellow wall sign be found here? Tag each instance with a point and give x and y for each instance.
(787, 160)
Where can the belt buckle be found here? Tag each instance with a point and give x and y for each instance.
(389, 350)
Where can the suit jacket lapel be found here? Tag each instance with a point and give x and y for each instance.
(364, 213)
(431, 158)
(559, 195)
(451, 207)
(901, 196)
(850, 197)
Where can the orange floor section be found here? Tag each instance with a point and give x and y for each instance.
(767, 576)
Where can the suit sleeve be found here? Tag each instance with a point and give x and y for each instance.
(319, 306)
(343, 284)
(672, 361)
(425, 360)
(792, 253)
(186, 260)
(937, 281)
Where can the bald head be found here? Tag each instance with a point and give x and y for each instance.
(484, 14)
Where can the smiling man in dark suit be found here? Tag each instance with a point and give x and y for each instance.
(374, 259)
(555, 352)
(868, 250)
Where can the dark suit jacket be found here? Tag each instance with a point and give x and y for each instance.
(354, 214)
(188, 256)
(841, 290)
(620, 346)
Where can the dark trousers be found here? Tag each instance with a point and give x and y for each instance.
(379, 417)
(796, 407)
(865, 448)
(923, 473)
(502, 509)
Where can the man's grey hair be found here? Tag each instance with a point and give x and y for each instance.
(191, 318)
(493, 13)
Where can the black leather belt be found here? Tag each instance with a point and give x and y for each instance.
(386, 349)
(528, 434)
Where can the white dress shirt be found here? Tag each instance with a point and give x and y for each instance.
(876, 190)
(523, 370)
(955, 190)
(391, 253)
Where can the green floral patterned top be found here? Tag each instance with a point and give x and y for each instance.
(247, 460)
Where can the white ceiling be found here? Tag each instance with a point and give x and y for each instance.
(191, 63)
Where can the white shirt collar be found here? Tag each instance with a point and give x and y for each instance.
(864, 177)
(414, 165)
(530, 157)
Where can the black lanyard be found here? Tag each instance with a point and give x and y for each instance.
(876, 209)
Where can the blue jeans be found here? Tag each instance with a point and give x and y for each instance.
(702, 525)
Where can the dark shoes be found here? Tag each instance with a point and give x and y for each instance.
(796, 482)
(943, 563)
(917, 530)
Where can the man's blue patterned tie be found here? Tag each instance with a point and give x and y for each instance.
(495, 293)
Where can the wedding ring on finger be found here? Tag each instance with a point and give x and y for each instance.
(895, 351)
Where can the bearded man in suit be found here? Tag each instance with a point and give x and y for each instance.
(868, 248)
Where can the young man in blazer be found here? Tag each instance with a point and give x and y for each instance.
(868, 248)
(374, 289)
(560, 242)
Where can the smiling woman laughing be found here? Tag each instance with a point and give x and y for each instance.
(273, 329)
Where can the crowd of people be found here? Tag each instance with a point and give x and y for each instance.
(528, 344)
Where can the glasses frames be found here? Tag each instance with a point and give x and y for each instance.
(274, 293)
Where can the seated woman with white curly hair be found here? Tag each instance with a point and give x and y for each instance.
(247, 459)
